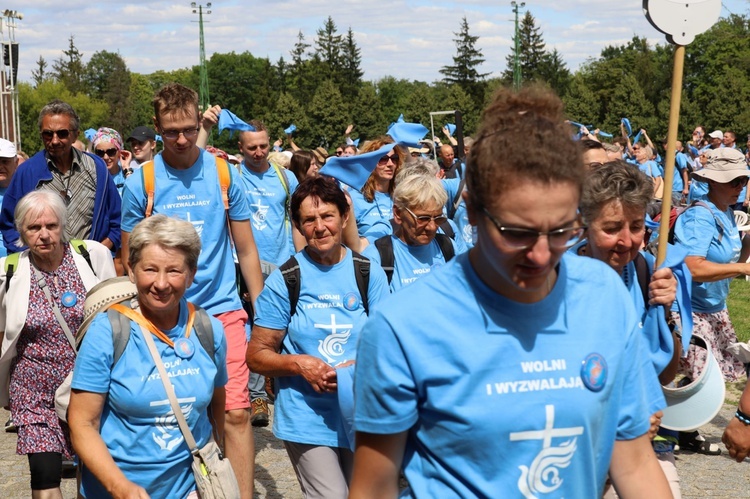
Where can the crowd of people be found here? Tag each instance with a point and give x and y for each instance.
(466, 319)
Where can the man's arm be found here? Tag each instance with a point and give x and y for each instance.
(210, 118)
(125, 252)
(247, 254)
(7, 227)
(377, 464)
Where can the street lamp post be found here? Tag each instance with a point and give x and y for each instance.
(10, 123)
(516, 62)
(204, 100)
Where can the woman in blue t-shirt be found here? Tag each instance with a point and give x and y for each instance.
(307, 322)
(519, 368)
(121, 422)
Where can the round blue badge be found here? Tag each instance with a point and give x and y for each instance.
(184, 348)
(351, 301)
(594, 372)
(69, 299)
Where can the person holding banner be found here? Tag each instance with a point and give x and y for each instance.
(533, 392)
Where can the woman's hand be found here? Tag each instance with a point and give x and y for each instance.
(655, 421)
(320, 375)
(663, 288)
(129, 490)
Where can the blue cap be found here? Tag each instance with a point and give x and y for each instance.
(227, 119)
(628, 128)
(408, 134)
(291, 129)
(354, 170)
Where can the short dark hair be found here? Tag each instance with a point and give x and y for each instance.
(588, 145)
(326, 189)
(174, 98)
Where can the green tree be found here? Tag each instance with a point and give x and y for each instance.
(328, 48)
(351, 60)
(531, 50)
(627, 99)
(40, 74)
(141, 97)
(288, 111)
(581, 104)
(69, 68)
(107, 78)
(468, 58)
(367, 112)
(329, 116)
(554, 72)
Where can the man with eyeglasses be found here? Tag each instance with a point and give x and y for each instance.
(268, 188)
(187, 186)
(80, 178)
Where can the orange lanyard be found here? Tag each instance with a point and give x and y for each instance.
(140, 319)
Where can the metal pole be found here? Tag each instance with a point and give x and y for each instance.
(516, 61)
(203, 93)
(10, 120)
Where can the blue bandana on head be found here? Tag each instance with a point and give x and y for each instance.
(407, 134)
(227, 119)
(291, 129)
(354, 170)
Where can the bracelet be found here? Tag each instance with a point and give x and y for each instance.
(744, 418)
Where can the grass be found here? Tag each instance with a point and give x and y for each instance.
(738, 303)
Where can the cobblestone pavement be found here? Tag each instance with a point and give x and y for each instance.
(701, 476)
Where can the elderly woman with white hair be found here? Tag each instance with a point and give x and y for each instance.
(415, 247)
(42, 291)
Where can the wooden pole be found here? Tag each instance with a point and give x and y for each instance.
(674, 123)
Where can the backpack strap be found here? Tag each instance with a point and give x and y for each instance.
(362, 275)
(290, 272)
(285, 184)
(448, 229)
(446, 246)
(384, 246)
(149, 186)
(457, 197)
(204, 330)
(79, 245)
(225, 181)
(719, 225)
(11, 264)
(643, 274)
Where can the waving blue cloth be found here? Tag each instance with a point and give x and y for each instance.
(637, 138)
(399, 120)
(408, 134)
(628, 128)
(291, 129)
(227, 119)
(451, 129)
(89, 134)
(605, 134)
(354, 170)
(655, 328)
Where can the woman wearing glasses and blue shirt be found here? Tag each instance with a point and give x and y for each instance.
(522, 359)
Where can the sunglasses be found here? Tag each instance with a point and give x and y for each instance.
(738, 182)
(109, 152)
(384, 160)
(61, 134)
(339, 152)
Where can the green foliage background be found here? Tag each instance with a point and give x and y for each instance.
(320, 87)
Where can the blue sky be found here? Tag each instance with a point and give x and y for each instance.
(411, 40)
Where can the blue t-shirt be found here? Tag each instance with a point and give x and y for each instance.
(3, 249)
(195, 195)
(137, 422)
(650, 168)
(119, 179)
(698, 191)
(697, 229)
(326, 325)
(680, 165)
(410, 262)
(272, 226)
(499, 398)
(460, 217)
(367, 214)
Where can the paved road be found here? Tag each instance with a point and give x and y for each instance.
(701, 476)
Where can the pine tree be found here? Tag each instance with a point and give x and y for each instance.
(107, 78)
(328, 47)
(351, 59)
(531, 50)
(467, 60)
(69, 69)
(328, 114)
(39, 74)
(554, 72)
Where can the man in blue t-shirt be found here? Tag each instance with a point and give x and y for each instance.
(187, 186)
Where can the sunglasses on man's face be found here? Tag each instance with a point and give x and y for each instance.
(61, 134)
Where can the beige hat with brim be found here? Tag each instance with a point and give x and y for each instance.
(101, 296)
(724, 165)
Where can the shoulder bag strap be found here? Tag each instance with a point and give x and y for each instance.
(184, 428)
(64, 325)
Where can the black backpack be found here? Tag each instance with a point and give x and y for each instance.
(292, 276)
(388, 261)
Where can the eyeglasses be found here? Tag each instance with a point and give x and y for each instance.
(188, 133)
(384, 160)
(61, 134)
(339, 152)
(738, 182)
(423, 220)
(521, 238)
(109, 152)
